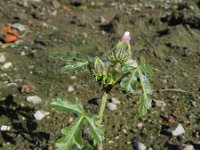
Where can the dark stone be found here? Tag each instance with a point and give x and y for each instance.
(77, 2)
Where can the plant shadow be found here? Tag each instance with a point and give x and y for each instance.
(22, 123)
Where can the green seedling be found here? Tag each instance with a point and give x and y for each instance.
(119, 69)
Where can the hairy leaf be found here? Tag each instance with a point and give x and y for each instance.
(146, 84)
(144, 105)
(127, 69)
(61, 105)
(72, 136)
(77, 102)
(97, 132)
(73, 66)
(146, 68)
(129, 84)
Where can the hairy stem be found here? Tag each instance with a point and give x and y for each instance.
(101, 111)
(143, 88)
(102, 108)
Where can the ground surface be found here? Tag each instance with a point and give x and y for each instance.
(165, 32)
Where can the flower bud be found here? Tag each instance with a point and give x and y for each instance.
(99, 66)
(126, 37)
(122, 51)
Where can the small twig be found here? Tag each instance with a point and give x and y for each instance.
(175, 90)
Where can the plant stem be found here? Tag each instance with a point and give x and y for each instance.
(104, 101)
(102, 108)
(101, 111)
(143, 88)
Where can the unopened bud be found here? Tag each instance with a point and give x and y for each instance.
(99, 66)
(122, 51)
(126, 37)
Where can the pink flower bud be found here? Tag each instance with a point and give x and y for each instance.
(126, 37)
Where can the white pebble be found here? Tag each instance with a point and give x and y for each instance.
(177, 130)
(2, 58)
(112, 106)
(188, 147)
(160, 104)
(34, 99)
(5, 128)
(139, 125)
(18, 26)
(23, 53)
(115, 100)
(73, 77)
(140, 146)
(7, 65)
(70, 88)
(40, 114)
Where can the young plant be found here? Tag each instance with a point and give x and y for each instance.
(119, 69)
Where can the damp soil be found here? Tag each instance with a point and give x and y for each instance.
(166, 33)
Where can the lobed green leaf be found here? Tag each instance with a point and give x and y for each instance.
(97, 132)
(72, 67)
(127, 68)
(129, 84)
(146, 84)
(144, 105)
(72, 136)
(61, 105)
(146, 68)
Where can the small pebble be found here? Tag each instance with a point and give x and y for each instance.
(70, 88)
(112, 106)
(22, 53)
(56, 4)
(71, 119)
(111, 142)
(115, 100)
(18, 26)
(34, 99)
(139, 125)
(139, 146)
(188, 147)
(26, 88)
(194, 103)
(2, 58)
(5, 128)
(7, 65)
(73, 77)
(158, 103)
(40, 114)
(102, 19)
(177, 130)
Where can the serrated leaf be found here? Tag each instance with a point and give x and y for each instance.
(77, 102)
(146, 68)
(146, 84)
(129, 84)
(61, 105)
(73, 66)
(72, 136)
(144, 105)
(127, 69)
(97, 132)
